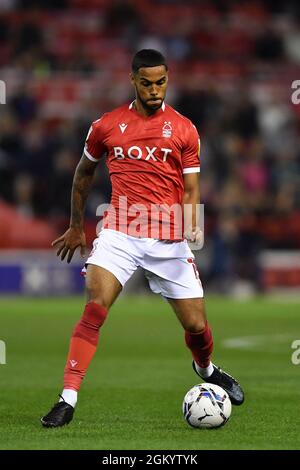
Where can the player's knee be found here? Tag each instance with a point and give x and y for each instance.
(195, 325)
(95, 295)
(100, 301)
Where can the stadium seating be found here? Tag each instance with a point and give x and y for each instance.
(67, 62)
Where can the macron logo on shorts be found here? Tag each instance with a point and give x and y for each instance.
(73, 363)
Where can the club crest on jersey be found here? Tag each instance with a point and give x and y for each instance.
(123, 127)
(167, 129)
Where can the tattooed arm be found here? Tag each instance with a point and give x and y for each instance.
(74, 237)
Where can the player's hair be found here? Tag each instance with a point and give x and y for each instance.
(147, 58)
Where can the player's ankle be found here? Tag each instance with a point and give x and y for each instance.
(205, 372)
(69, 396)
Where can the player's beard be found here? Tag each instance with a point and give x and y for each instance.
(152, 108)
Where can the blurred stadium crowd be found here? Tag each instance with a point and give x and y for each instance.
(232, 63)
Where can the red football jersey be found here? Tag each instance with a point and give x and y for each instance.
(146, 158)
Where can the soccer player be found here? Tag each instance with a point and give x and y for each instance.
(152, 153)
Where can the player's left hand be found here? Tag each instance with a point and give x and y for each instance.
(194, 235)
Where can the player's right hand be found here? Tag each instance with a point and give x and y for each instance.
(69, 242)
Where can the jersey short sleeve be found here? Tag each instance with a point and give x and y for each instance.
(94, 147)
(191, 151)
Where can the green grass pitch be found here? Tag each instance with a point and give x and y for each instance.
(131, 397)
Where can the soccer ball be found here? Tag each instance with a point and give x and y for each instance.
(206, 406)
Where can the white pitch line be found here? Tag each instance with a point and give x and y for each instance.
(254, 342)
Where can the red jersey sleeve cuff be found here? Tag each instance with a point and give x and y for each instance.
(89, 156)
(195, 169)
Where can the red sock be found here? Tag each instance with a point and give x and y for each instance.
(201, 345)
(83, 344)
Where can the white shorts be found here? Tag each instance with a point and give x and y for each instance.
(169, 266)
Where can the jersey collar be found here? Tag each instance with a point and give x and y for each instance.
(163, 106)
